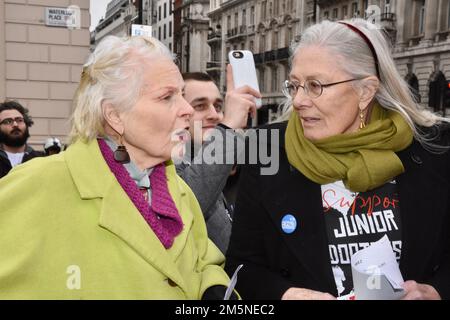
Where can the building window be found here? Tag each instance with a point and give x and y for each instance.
(252, 16)
(252, 46)
(274, 80)
(326, 15)
(261, 79)
(275, 40)
(262, 46)
(276, 5)
(159, 33)
(242, 46)
(344, 12)
(170, 28)
(387, 6)
(229, 23)
(165, 10)
(288, 36)
(263, 9)
(335, 14)
(165, 30)
(421, 17)
(355, 12)
(365, 5)
(170, 46)
(159, 13)
(244, 17)
(236, 23)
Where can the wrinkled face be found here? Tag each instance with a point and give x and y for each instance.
(336, 111)
(153, 128)
(15, 134)
(205, 98)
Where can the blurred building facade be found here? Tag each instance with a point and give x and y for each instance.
(265, 27)
(191, 33)
(419, 31)
(40, 62)
(119, 16)
(162, 23)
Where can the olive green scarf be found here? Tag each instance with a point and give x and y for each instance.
(363, 160)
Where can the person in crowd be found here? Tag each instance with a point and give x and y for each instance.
(109, 218)
(14, 134)
(214, 115)
(359, 160)
(52, 146)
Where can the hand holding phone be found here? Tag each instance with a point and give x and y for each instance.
(241, 99)
(244, 71)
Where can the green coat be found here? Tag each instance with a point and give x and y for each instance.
(69, 231)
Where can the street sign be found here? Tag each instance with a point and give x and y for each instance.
(63, 17)
(141, 30)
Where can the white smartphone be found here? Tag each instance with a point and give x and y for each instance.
(244, 71)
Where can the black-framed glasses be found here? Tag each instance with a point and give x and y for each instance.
(10, 121)
(313, 88)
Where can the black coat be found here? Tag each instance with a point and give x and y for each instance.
(275, 261)
(5, 165)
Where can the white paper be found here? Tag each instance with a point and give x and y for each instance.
(232, 283)
(376, 274)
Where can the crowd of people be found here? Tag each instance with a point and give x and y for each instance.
(132, 209)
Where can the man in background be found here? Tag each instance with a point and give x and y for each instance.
(14, 134)
(225, 118)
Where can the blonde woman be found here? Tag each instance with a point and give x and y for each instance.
(109, 218)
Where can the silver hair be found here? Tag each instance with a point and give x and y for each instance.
(357, 60)
(113, 74)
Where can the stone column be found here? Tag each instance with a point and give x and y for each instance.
(431, 13)
(402, 19)
(441, 16)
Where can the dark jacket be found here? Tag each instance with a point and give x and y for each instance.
(5, 165)
(275, 261)
(207, 181)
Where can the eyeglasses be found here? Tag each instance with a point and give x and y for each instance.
(10, 121)
(313, 88)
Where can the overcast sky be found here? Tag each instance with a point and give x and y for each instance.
(98, 10)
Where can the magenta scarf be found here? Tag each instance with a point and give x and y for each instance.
(162, 215)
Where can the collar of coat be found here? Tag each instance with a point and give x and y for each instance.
(93, 179)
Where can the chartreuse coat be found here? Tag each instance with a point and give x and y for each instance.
(69, 231)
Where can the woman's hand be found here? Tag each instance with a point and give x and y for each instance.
(306, 294)
(419, 291)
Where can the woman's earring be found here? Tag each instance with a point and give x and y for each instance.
(362, 123)
(121, 154)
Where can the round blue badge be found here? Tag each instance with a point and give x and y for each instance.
(288, 223)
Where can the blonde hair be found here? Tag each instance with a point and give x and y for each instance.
(357, 60)
(113, 74)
